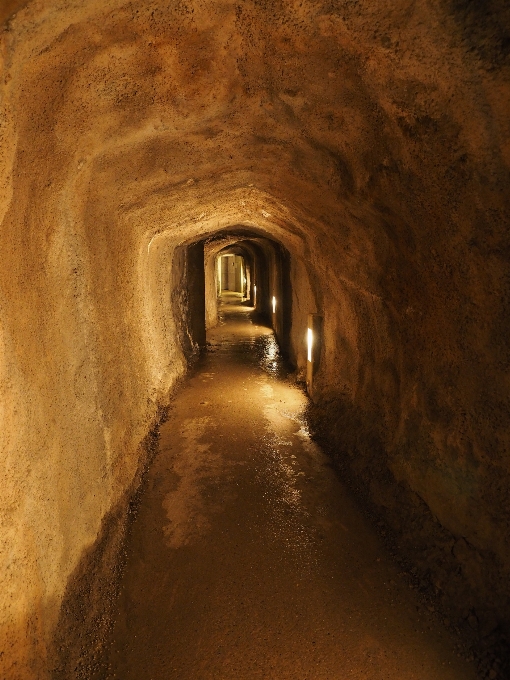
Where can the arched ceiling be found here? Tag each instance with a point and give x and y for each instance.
(333, 106)
(376, 122)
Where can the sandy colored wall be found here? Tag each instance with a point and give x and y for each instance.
(370, 139)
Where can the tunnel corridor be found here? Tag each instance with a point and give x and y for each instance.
(282, 221)
(247, 557)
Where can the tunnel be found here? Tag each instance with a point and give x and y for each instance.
(349, 162)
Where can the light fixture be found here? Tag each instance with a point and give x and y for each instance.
(314, 342)
(274, 305)
(310, 343)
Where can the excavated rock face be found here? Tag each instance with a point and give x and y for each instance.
(370, 139)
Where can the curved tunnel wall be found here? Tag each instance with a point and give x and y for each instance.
(372, 141)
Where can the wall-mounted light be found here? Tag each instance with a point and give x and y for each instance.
(313, 341)
(219, 274)
(274, 305)
(310, 343)
(254, 296)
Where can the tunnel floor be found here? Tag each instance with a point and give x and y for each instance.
(248, 558)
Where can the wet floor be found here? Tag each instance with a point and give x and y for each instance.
(248, 559)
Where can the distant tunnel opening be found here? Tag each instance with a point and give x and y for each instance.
(233, 274)
(254, 269)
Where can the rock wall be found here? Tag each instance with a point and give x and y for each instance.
(370, 139)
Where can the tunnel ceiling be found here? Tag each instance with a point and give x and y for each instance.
(335, 108)
(365, 119)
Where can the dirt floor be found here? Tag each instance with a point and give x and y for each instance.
(248, 558)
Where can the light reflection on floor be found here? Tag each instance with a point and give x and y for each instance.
(248, 560)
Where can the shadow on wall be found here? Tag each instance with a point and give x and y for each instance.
(87, 608)
(9, 7)
(188, 297)
(468, 583)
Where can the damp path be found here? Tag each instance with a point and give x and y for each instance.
(248, 558)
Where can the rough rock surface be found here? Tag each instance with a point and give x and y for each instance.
(371, 139)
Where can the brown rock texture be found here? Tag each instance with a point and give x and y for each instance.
(371, 140)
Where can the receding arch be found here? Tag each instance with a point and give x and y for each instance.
(268, 285)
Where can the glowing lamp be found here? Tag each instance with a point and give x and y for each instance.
(274, 305)
(310, 343)
(314, 342)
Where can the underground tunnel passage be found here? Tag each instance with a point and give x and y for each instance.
(308, 471)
